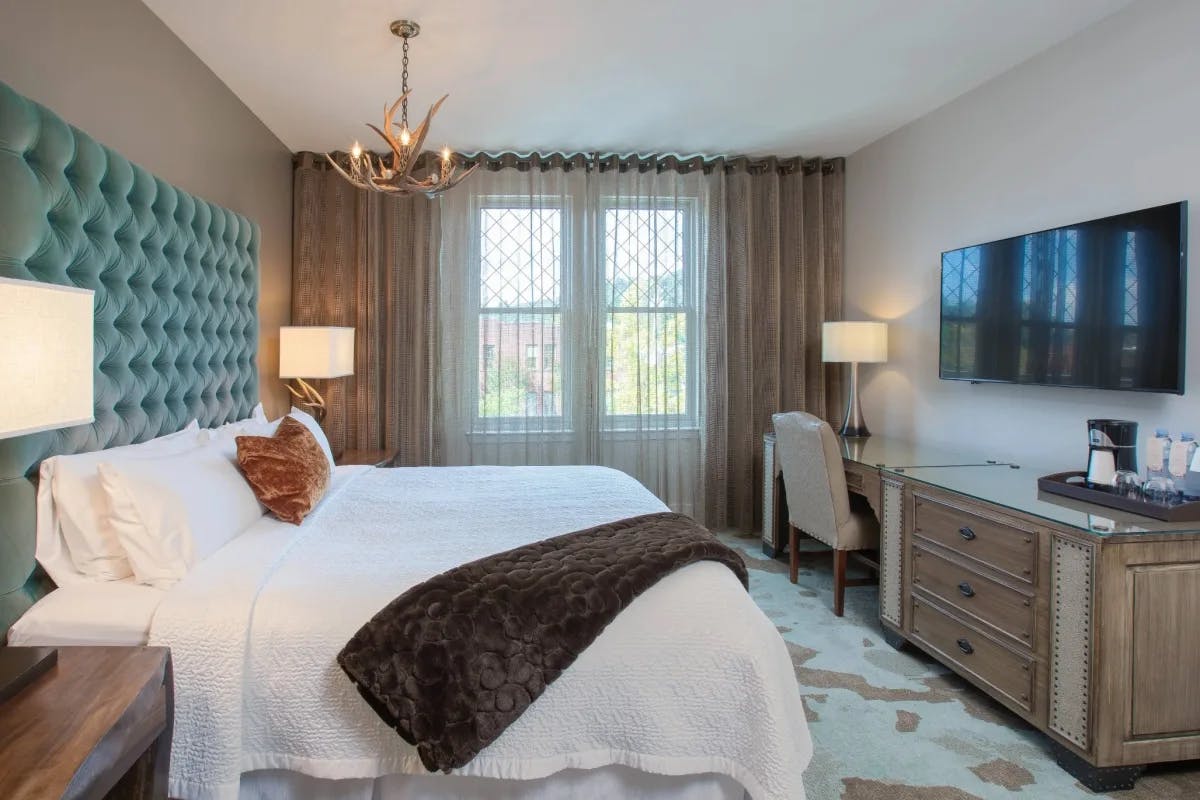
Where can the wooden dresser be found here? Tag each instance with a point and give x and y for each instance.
(1080, 619)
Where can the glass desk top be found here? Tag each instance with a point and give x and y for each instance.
(1016, 488)
(884, 452)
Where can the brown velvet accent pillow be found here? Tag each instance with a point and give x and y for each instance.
(288, 472)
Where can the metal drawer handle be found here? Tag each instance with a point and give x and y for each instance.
(966, 590)
(965, 646)
(966, 533)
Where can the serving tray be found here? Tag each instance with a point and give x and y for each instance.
(1179, 510)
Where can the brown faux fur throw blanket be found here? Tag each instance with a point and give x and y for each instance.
(455, 660)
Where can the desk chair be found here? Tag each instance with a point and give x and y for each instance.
(817, 500)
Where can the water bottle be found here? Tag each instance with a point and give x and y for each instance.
(1157, 450)
(1182, 453)
(1191, 483)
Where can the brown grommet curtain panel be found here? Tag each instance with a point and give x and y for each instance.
(774, 276)
(370, 261)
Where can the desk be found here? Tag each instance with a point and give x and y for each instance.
(863, 459)
(1080, 619)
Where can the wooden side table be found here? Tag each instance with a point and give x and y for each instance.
(370, 458)
(97, 724)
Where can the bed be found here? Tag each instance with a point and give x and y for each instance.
(687, 694)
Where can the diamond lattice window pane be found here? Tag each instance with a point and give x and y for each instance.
(520, 257)
(644, 255)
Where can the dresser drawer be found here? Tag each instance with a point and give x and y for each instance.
(993, 544)
(1008, 611)
(1003, 670)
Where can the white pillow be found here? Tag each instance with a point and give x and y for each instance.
(74, 540)
(257, 417)
(225, 437)
(314, 427)
(170, 513)
(89, 613)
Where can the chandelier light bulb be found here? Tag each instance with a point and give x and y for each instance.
(405, 137)
(445, 153)
(356, 151)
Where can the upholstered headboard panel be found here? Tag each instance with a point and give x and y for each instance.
(176, 283)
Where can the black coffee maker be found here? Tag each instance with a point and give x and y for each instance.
(1112, 447)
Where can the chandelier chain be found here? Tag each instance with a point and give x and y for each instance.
(404, 88)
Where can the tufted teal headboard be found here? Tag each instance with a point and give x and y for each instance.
(176, 283)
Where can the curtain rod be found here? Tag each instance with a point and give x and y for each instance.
(613, 161)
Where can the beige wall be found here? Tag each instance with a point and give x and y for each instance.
(1108, 121)
(114, 70)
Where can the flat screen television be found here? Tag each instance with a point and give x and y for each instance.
(1100, 305)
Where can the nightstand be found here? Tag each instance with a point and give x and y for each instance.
(98, 722)
(370, 458)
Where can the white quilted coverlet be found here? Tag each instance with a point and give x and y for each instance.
(691, 678)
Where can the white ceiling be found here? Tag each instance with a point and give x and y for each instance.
(809, 77)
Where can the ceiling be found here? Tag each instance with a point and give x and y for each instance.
(807, 77)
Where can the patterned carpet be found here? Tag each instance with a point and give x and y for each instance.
(890, 725)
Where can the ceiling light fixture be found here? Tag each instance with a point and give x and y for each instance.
(370, 171)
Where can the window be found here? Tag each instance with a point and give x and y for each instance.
(519, 280)
(537, 293)
(650, 309)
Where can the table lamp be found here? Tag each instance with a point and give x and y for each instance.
(314, 351)
(855, 343)
(46, 360)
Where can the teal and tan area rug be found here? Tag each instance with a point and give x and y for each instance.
(890, 725)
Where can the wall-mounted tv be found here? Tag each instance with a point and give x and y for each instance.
(1100, 304)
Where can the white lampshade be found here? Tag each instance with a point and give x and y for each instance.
(314, 351)
(45, 356)
(856, 342)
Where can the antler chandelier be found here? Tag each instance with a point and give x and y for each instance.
(370, 171)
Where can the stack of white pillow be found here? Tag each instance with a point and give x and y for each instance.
(149, 512)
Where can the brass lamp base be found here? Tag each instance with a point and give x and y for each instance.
(309, 399)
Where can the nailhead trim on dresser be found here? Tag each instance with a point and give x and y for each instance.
(1070, 656)
(890, 583)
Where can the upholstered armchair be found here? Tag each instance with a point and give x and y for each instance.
(817, 500)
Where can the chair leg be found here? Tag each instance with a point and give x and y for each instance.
(839, 581)
(793, 553)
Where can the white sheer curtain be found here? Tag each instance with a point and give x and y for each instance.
(571, 303)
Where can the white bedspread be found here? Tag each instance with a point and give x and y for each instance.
(691, 678)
